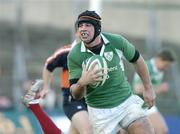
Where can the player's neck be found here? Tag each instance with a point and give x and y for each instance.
(97, 49)
(97, 43)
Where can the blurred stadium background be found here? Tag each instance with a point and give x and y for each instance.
(31, 30)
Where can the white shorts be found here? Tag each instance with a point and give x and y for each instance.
(151, 110)
(110, 120)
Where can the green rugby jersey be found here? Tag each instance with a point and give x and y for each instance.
(116, 89)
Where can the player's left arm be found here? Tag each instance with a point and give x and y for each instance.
(133, 56)
(148, 93)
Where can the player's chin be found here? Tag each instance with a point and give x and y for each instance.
(85, 40)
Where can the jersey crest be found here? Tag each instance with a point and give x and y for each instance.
(108, 55)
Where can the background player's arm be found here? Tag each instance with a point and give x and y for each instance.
(161, 89)
(51, 64)
(47, 77)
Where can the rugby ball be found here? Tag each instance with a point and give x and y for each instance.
(101, 63)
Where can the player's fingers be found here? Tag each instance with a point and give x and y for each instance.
(98, 79)
(150, 103)
(93, 66)
(98, 71)
(99, 75)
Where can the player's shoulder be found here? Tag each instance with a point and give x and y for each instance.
(64, 50)
(75, 50)
(116, 40)
(112, 36)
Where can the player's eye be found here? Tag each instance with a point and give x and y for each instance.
(88, 24)
(80, 25)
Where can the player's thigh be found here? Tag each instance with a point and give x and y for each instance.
(110, 120)
(158, 122)
(122, 131)
(76, 111)
(105, 121)
(72, 130)
(141, 126)
(132, 111)
(71, 106)
(80, 121)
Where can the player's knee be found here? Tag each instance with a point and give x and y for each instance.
(162, 130)
(88, 131)
(142, 125)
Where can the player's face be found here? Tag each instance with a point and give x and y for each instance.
(86, 32)
(164, 65)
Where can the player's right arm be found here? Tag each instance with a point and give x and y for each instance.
(79, 76)
(161, 89)
(54, 61)
(78, 87)
(47, 77)
(78, 90)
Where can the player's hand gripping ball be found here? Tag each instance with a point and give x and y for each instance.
(101, 63)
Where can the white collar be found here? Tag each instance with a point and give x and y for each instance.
(105, 40)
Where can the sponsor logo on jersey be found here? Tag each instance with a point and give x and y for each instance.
(108, 55)
(112, 69)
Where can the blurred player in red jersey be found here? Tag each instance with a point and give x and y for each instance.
(75, 110)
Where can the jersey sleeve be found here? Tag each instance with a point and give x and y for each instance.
(128, 50)
(58, 59)
(54, 62)
(125, 46)
(74, 66)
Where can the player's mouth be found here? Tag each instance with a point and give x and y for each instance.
(84, 35)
